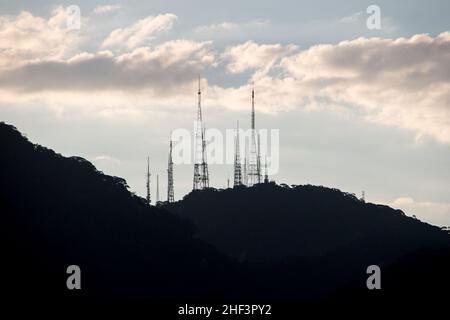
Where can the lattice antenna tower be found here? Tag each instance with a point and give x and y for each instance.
(201, 174)
(258, 161)
(148, 197)
(253, 175)
(245, 168)
(170, 192)
(266, 172)
(157, 188)
(237, 160)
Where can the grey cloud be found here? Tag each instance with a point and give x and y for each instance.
(163, 68)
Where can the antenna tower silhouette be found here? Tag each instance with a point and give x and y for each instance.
(201, 175)
(157, 188)
(266, 173)
(237, 160)
(148, 198)
(253, 170)
(170, 193)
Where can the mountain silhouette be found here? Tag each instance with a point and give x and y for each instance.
(326, 237)
(59, 211)
(269, 222)
(264, 243)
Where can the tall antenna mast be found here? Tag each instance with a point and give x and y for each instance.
(258, 161)
(266, 173)
(237, 160)
(148, 197)
(170, 193)
(245, 169)
(253, 171)
(201, 174)
(157, 188)
(253, 106)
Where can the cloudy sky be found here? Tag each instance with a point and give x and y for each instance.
(357, 109)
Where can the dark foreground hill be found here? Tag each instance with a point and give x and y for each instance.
(324, 237)
(269, 222)
(58, 211)
(249, 245)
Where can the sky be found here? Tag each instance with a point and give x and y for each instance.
(356, 108)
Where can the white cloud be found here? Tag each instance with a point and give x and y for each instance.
(216, 29)
(402, 82)
(107, 160)
(359, 19)
(251, 55)
(433, 212)
(28, 38)
(141, 32)
(105, 9)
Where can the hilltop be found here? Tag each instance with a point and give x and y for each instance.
(270, 222)
(315, 241)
